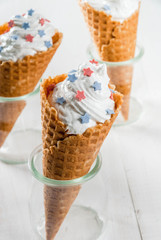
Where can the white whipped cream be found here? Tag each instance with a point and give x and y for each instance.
(95, 103)
(118, 9)
(14, 45)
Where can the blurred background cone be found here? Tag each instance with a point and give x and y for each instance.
(9, 112)
(18, 79)
(66, 157)
(121, 76)
(115, 42)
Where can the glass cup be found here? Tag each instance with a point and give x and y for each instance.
(84, 198)
(20, 126)
(129, 80)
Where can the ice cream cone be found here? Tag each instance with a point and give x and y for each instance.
(9, 112)
(18, 79)
(66, 157)
(115, 42)
(121, 76)
(57, 202)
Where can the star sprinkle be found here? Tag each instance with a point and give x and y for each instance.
(30, 12)
(11, 23)
(23, 14)
(111, 97)
(18, 16)
(60, 100)
(25, 25)
(87, 72)
(94, 62)
(42, 21)
(14, 37)
(85, 118)
(80, 95)
(50, 88)
(1, 48)
(41, 33)
(48, 44)
(72, 71)
(96, 86)
(112, 90)
(72, 78)
(29, 38)
(106, 7)
(109, 111)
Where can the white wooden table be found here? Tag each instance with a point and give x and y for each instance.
(131, 154)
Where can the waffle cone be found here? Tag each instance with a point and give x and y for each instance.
(18, 79)
(66, 157)
(9, 112)
(121, 76)
(57, 202)
(115, 42)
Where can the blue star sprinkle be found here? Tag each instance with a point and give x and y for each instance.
(85, 118)
(30, 12)
(96, 86)
(60, 100)
(72, 71)
(72, 78)
(14, 37)
(25, 25)
(18, 16)
(112, 90)
(106, 8)
(1, 48)
(109, 111)
(41, 33)
(48, 44)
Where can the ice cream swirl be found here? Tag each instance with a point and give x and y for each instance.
(84, 99)
(118, 9)
(28, 34)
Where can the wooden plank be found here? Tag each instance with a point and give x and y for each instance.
(15, 183)
(142, 163)
(122, 222)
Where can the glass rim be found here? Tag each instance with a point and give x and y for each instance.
(23, 97)
(62, 183)
(122, 63)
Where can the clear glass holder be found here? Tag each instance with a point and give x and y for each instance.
(20, 127)
(128, 78)
(86, 218)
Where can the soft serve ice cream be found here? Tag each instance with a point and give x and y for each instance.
(28, 34)
(83, 99)
(118, 9)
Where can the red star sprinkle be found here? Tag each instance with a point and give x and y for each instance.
(50, 88)
(111, 97)
(93, 61)
(11, 23)
(42, 21)
(80, 95)
(29, 38)
(23, 14)
(87, 72)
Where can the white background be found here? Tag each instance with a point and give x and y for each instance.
(131, 154)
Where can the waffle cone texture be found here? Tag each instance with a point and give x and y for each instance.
(66, 157)
(18, 79)
(115, 42)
